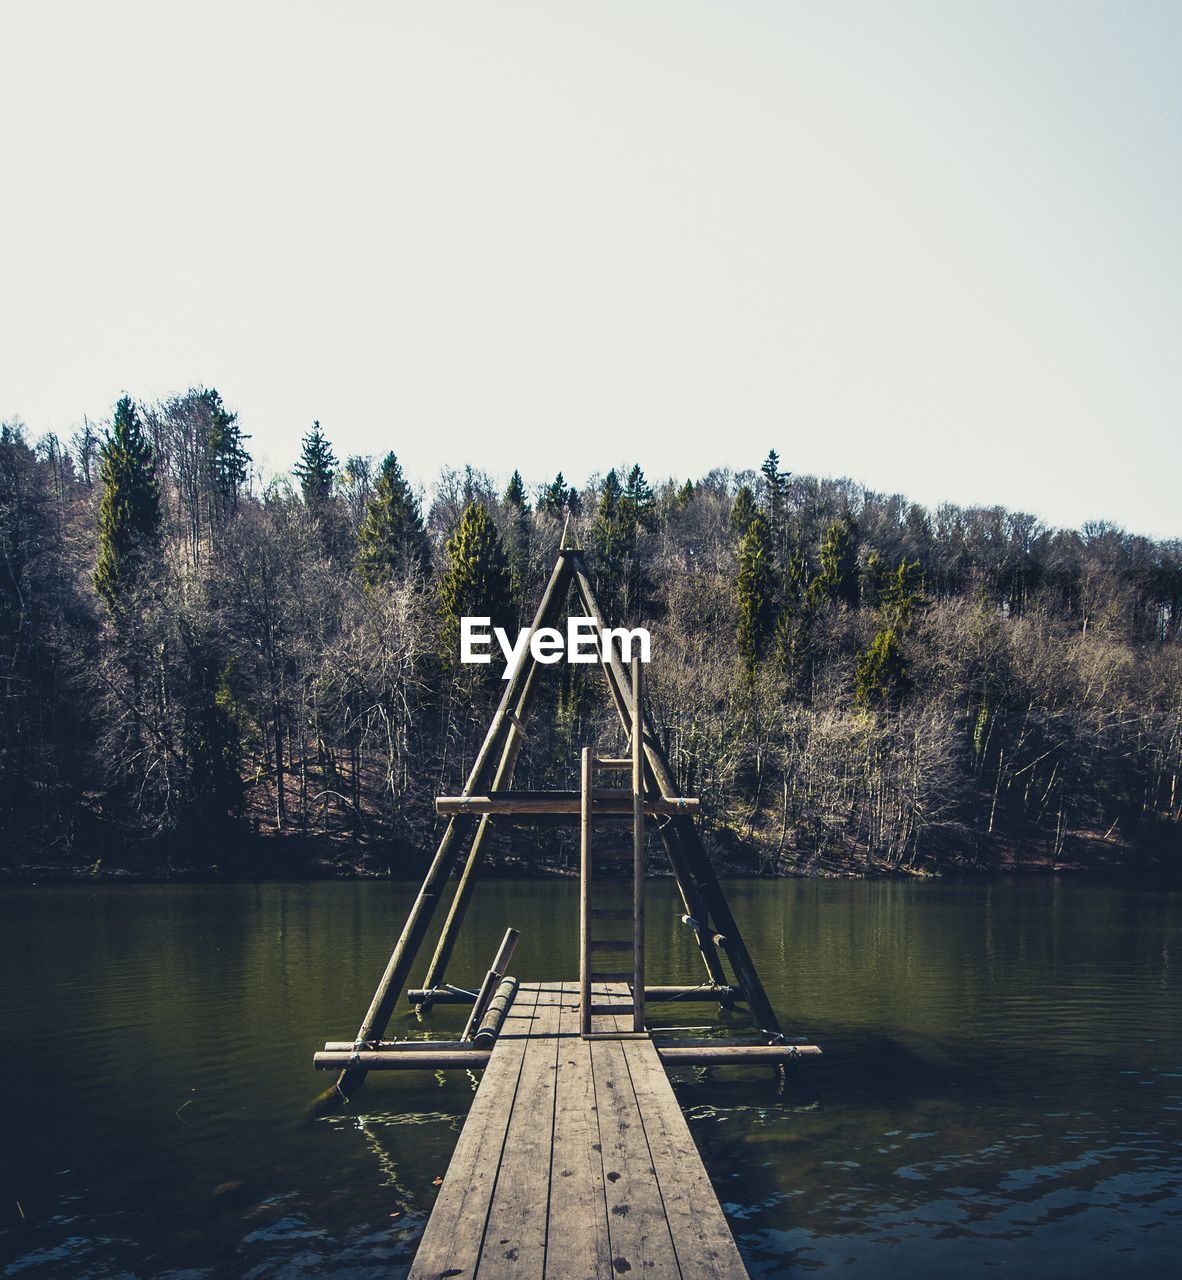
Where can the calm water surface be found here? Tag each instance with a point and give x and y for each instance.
(1001, 1091)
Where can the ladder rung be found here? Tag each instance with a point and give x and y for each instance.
(610, 944)
(611, 913)
(613, 762)
(614, 975)
(613, 1008)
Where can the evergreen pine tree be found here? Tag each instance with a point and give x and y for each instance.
(637, 517)
(793, 644)
(212, 746)
(775, 489)
(129, 512)
(391, 541)
(742, 511)
(517, 536)
(555, 497)
(638, 500)
(316, 468)
(874, 578)
(838, 578)
(684, 495)
(901, 595)
(610, 538)
(881, 672)
(226, 459)
(476, 581)
(755, 592)
(515, 493)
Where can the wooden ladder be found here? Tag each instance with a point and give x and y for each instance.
(590, 948)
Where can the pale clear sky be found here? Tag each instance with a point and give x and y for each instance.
(933, 246)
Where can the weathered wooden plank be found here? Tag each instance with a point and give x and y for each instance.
(452, 1241)
(578, 1246)
(575, 1161)
(637, 1226)
(515, 1235)
(701, 1237)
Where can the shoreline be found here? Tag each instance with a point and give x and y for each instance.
(41, 876)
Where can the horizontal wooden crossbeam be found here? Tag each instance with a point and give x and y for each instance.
(606, 801)
(734, 1054)
(472, 1059)
(652, 995)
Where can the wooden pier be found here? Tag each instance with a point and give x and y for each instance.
(575, 1161)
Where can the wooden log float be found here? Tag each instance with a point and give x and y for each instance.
(494, 1016)
(734, 1055)
(492, 980)
(399, 1046)
(467, 1059)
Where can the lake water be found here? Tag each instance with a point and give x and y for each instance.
(1001, 1090)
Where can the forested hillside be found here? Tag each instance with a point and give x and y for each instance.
(201, 667)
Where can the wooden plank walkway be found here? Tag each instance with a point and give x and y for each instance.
(575, 1161)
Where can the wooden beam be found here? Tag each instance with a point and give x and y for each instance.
(606, 801)
(697, 863)
(734, 1055)
(377, 1017)
(552, 601)
(692, 995)
(639, 801)
(401, 1046)
(415, 1060)
(704, 994)
(440, 995)
(585, 870)
(659, 776)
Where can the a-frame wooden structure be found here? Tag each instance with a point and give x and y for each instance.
(488, 791)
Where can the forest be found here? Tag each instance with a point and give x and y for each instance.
(205, 670)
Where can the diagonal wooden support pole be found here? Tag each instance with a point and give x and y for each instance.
(381, 1007)
(696, 861)
(694, 905)
(552, 602)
